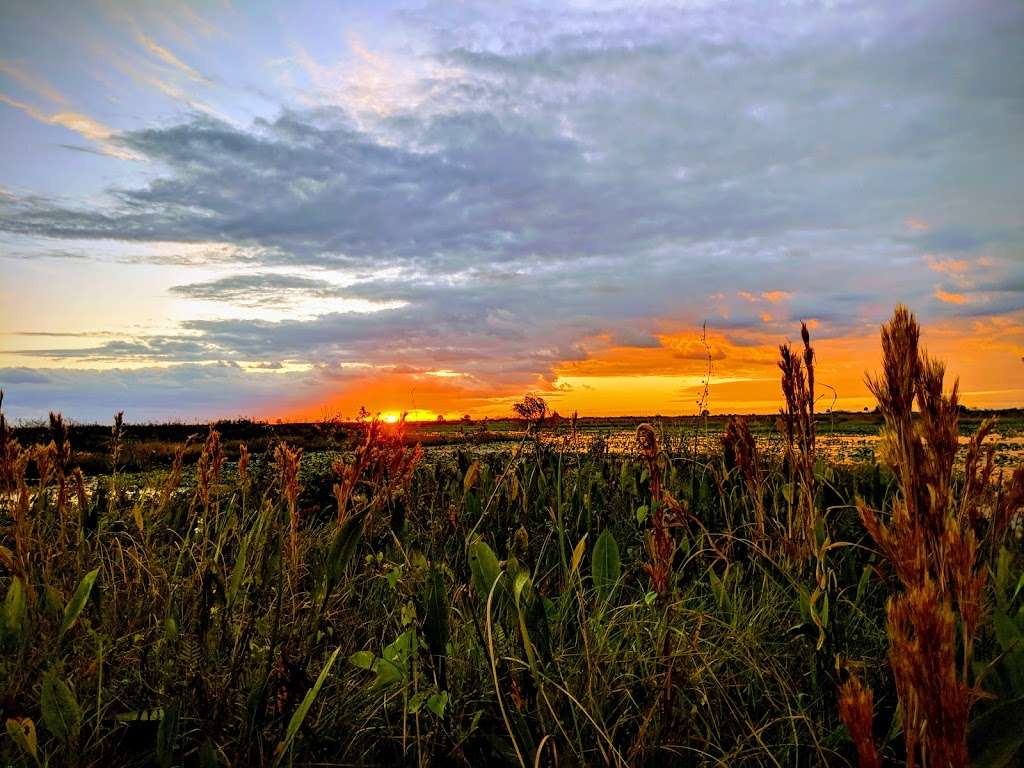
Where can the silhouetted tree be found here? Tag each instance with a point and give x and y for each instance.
(531, 408)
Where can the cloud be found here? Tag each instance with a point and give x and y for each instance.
(18, 72)
(275, 290)
(168, 57)
(258, 289)
(956, 268)
(956, 239)
(181, 392)
(525, 187)
(73, 121)
(949, 297)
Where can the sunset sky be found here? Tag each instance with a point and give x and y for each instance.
(293, 209)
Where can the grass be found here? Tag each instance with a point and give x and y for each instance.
(539, 605)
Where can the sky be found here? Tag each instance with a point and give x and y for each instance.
(290, 210)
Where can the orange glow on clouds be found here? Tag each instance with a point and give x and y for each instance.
(948, 297)
(668, 378)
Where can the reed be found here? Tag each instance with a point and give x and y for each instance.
(933, 541)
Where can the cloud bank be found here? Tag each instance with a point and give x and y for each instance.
(554, 183)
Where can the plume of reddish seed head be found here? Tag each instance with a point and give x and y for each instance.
(933, 542)
(797, 424)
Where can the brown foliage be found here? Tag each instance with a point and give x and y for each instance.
(933, 543)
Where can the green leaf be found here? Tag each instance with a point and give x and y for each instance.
(61, 713)
(1008, 635)
(362, 659)
(167, 736)
(862, 585)
(23, 731)
(787, 492)
(641, 514)
(238, 571)
(438, 702)
(995, 738)
(577, 555)
(471, 476)
(77, 601)
(435, 620)
(388, 674)
(343, 549)
(170, 629)
(53, 602)
(303, 709)
(416, 702)
(483, 566)
(14, 609)
(606, 567)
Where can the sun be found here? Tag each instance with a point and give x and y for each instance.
(390, 417)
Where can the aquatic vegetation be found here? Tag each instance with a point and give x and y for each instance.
(552, 603)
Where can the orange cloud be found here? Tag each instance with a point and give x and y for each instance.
(948, 297)
(953, 267)
(984, 353)
(772, 297)
(74, 121)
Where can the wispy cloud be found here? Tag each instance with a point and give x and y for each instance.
(168, 57)
(19, 72)
(81, 124)
(950, 297)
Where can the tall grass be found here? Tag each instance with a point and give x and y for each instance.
(539, 606)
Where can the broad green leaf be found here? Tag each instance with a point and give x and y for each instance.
(14, 609)
(170, 629)
(388, 674)
(435, 619)
(61, 713)
(438, 702)
(53, 602)
(641, 514)
(303, 709)
(606, 568)
(362, 659)
(23, 731)
(1008, 635)
(471, 476)
(77, 601)
(401, 648)
(483, 566)
(996, 737)
(787, 492)
(343, 549)
(416, 702)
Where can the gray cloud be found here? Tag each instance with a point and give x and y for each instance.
(259, 289)
(180, 392)
(592, 172)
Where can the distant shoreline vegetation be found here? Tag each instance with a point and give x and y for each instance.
(710, 591)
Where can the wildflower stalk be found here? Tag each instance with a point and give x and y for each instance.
(933, 543)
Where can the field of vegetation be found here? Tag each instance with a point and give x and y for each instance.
(555, 603)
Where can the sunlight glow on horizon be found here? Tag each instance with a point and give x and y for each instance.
(286, 211)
